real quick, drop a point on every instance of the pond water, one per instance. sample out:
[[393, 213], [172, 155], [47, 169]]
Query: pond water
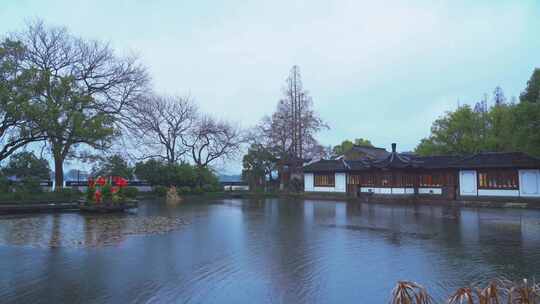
[[261, 251]]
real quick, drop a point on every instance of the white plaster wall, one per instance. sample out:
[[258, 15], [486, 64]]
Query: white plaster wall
[[498, 192], [308, 182], [325, 189], [369, 189], [398, 190], [385, 190], [232, 188], [467, 183], [429, 191], [409, 190], [529, 183], [339, 186]]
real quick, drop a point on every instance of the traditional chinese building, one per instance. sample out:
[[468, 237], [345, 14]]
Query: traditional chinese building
[[487, 174]]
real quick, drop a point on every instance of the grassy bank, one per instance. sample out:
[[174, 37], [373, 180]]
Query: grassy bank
[[65, 196]]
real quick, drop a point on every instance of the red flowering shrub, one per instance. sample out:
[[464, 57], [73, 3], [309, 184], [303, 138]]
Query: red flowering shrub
[[101, 181], [97, 197], [99, 190]]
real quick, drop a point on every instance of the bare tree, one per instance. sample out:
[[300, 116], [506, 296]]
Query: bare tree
[[113, 82], [157, 125], [83, 88], [211, 139]]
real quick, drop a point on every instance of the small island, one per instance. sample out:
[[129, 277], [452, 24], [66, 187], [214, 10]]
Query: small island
[[105, 195]]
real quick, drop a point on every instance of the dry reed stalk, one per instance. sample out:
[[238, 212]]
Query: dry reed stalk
[[410, 293]]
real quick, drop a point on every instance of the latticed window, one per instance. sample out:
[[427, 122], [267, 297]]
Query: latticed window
[[386, 180], [407, 180], [355, 179], [431, 180], [324, 180], [368, 180], [498, 179]]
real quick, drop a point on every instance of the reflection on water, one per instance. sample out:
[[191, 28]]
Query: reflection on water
[[68, 230], [263, 251]]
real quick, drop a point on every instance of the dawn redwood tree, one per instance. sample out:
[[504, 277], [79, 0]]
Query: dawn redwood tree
[[296, 111], [16, 88], [83, 88], [290, 131]]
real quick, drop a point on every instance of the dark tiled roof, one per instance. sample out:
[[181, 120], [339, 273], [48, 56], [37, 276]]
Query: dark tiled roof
[[355, 165], [371, 151], [497, 160], [402, 161], [436, 162], [337, 165], [396, 161]]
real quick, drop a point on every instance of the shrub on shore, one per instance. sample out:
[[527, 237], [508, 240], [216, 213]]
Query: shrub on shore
[[19, 197], [159, 173], [160, 191], [130, 192], [184, 190]]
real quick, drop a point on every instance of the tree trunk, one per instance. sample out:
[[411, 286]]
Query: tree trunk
[[58, 172]]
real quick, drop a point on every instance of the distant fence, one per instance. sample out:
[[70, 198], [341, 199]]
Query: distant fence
[[234, 186], [142, 186], [45, 185]]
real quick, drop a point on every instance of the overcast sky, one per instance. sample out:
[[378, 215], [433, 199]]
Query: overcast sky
[[382, 70]]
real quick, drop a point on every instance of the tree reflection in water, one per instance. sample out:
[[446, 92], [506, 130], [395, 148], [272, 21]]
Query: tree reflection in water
[[74, 230]]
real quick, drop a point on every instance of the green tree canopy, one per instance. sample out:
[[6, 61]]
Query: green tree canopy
[[457, 132], [347, 145], [160, 173], [24, 165], [81, 89], [17, 86], [258, 164], [114, 165], [503, 127], [532, 91], [524, 134]]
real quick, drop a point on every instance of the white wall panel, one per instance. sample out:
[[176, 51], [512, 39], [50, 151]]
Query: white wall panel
[[467, 183], [529, 183], [398, 190], [430, 191], [498, 192], [308, 181], [409, 190]]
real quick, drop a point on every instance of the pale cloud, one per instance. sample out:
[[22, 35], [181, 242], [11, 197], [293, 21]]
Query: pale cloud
[[382, 70]]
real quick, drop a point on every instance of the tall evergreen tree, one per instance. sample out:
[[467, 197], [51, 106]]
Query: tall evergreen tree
[[532, 91]]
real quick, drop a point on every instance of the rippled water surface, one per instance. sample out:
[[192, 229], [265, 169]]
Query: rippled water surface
[[260, 251]]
